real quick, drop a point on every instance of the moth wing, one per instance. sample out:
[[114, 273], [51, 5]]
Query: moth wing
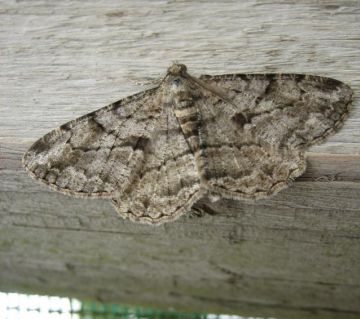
[[98, 153], [253, 140], [287, 109], [168, 182]]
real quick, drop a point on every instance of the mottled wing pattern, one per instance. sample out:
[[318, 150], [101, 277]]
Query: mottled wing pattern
[[132, 151], [253, 142], [157, 152], [168, 183], [97, 154]]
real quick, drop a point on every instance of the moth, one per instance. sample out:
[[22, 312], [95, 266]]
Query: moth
[[156, 153]]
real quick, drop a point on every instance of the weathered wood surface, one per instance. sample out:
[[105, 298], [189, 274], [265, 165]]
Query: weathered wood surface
[[294, 255]]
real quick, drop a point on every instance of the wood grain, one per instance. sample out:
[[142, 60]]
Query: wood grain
[[295, 255]]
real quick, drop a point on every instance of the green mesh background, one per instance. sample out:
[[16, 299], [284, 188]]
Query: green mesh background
[[91, 310]]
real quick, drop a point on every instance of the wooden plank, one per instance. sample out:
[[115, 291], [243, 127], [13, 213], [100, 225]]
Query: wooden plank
[[293, 255]]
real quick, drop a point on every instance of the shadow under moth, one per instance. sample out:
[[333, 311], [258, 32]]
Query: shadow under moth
[[156, 153]]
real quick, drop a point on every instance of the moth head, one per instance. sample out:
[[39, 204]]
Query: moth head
[[179, 85], [177, 69], [177, 77]]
